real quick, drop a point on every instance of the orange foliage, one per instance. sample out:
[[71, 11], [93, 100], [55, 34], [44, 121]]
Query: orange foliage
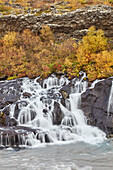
[[32, 55]]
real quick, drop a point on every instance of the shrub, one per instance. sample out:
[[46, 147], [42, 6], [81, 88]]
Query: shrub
[[26, 54], [4, 8], [93, 42], [110, 1]]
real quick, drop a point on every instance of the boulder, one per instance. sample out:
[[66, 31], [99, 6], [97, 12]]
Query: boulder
[[18, 106], [57, 114], [94, 103], [26, 95], [10, 92]]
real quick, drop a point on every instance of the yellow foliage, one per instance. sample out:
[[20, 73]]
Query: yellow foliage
[[9, 39], [32, 55], [93, 42], [68, 62], [101, 65], [46, 33]]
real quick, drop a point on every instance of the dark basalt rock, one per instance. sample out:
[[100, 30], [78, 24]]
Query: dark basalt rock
[[9, 92], [26, 94], [13, 122], [66, 90], [57, 114], [15, 136], [18, 106], [94, 103], [6, 110]]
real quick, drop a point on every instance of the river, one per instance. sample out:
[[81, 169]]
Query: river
[[73, 156]]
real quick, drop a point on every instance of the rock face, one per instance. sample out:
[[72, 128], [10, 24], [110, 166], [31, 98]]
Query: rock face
[[71, 24], [94, 103], [9, 92], [57, 114]]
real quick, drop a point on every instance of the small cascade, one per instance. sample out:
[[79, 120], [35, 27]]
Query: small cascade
[[54, 81], [42, 118], [110, 102]]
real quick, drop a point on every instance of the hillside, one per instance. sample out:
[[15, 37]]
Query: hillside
[[39, 38]]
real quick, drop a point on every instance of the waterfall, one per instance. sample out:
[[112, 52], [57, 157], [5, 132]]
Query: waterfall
[[110, 102], [49, 126]]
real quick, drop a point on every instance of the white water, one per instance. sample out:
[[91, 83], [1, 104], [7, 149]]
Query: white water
[[74, 156], [110, 102], [73, 127]]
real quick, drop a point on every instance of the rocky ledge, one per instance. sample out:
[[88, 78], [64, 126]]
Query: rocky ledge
[[69, 24]]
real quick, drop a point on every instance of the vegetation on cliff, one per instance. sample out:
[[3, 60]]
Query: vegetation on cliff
[[26, 54], [29, 6]]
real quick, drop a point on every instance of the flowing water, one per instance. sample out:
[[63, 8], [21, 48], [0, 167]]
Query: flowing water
[[73, 145], [73, 156], [110, 102]]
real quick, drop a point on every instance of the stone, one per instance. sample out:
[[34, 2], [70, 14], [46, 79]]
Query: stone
[[6, 110], [9, 92], [94, 103], [69, 24], [26, 94], [13, 122], [18, 106], [57, 114], [110, 136]]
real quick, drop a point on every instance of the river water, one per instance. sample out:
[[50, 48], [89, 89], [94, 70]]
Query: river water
[[73, 144], [73, 156]]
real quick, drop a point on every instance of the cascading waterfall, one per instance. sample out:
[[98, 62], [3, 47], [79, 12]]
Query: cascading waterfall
[[37, 111], [110, 102]]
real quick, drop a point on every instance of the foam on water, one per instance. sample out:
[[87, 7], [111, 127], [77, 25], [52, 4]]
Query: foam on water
[[70, 167]]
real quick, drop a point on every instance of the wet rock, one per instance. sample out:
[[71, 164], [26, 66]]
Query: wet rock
[[7, 120], [94, 103], [66, 90], [110, 136], [18, 106], [26, 94], [6, 110], [10, 121], [57, 114], [64, 94], [44, 137], [45, 111], [13, 122], [10, 92], [33, 114], [15, 136]]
